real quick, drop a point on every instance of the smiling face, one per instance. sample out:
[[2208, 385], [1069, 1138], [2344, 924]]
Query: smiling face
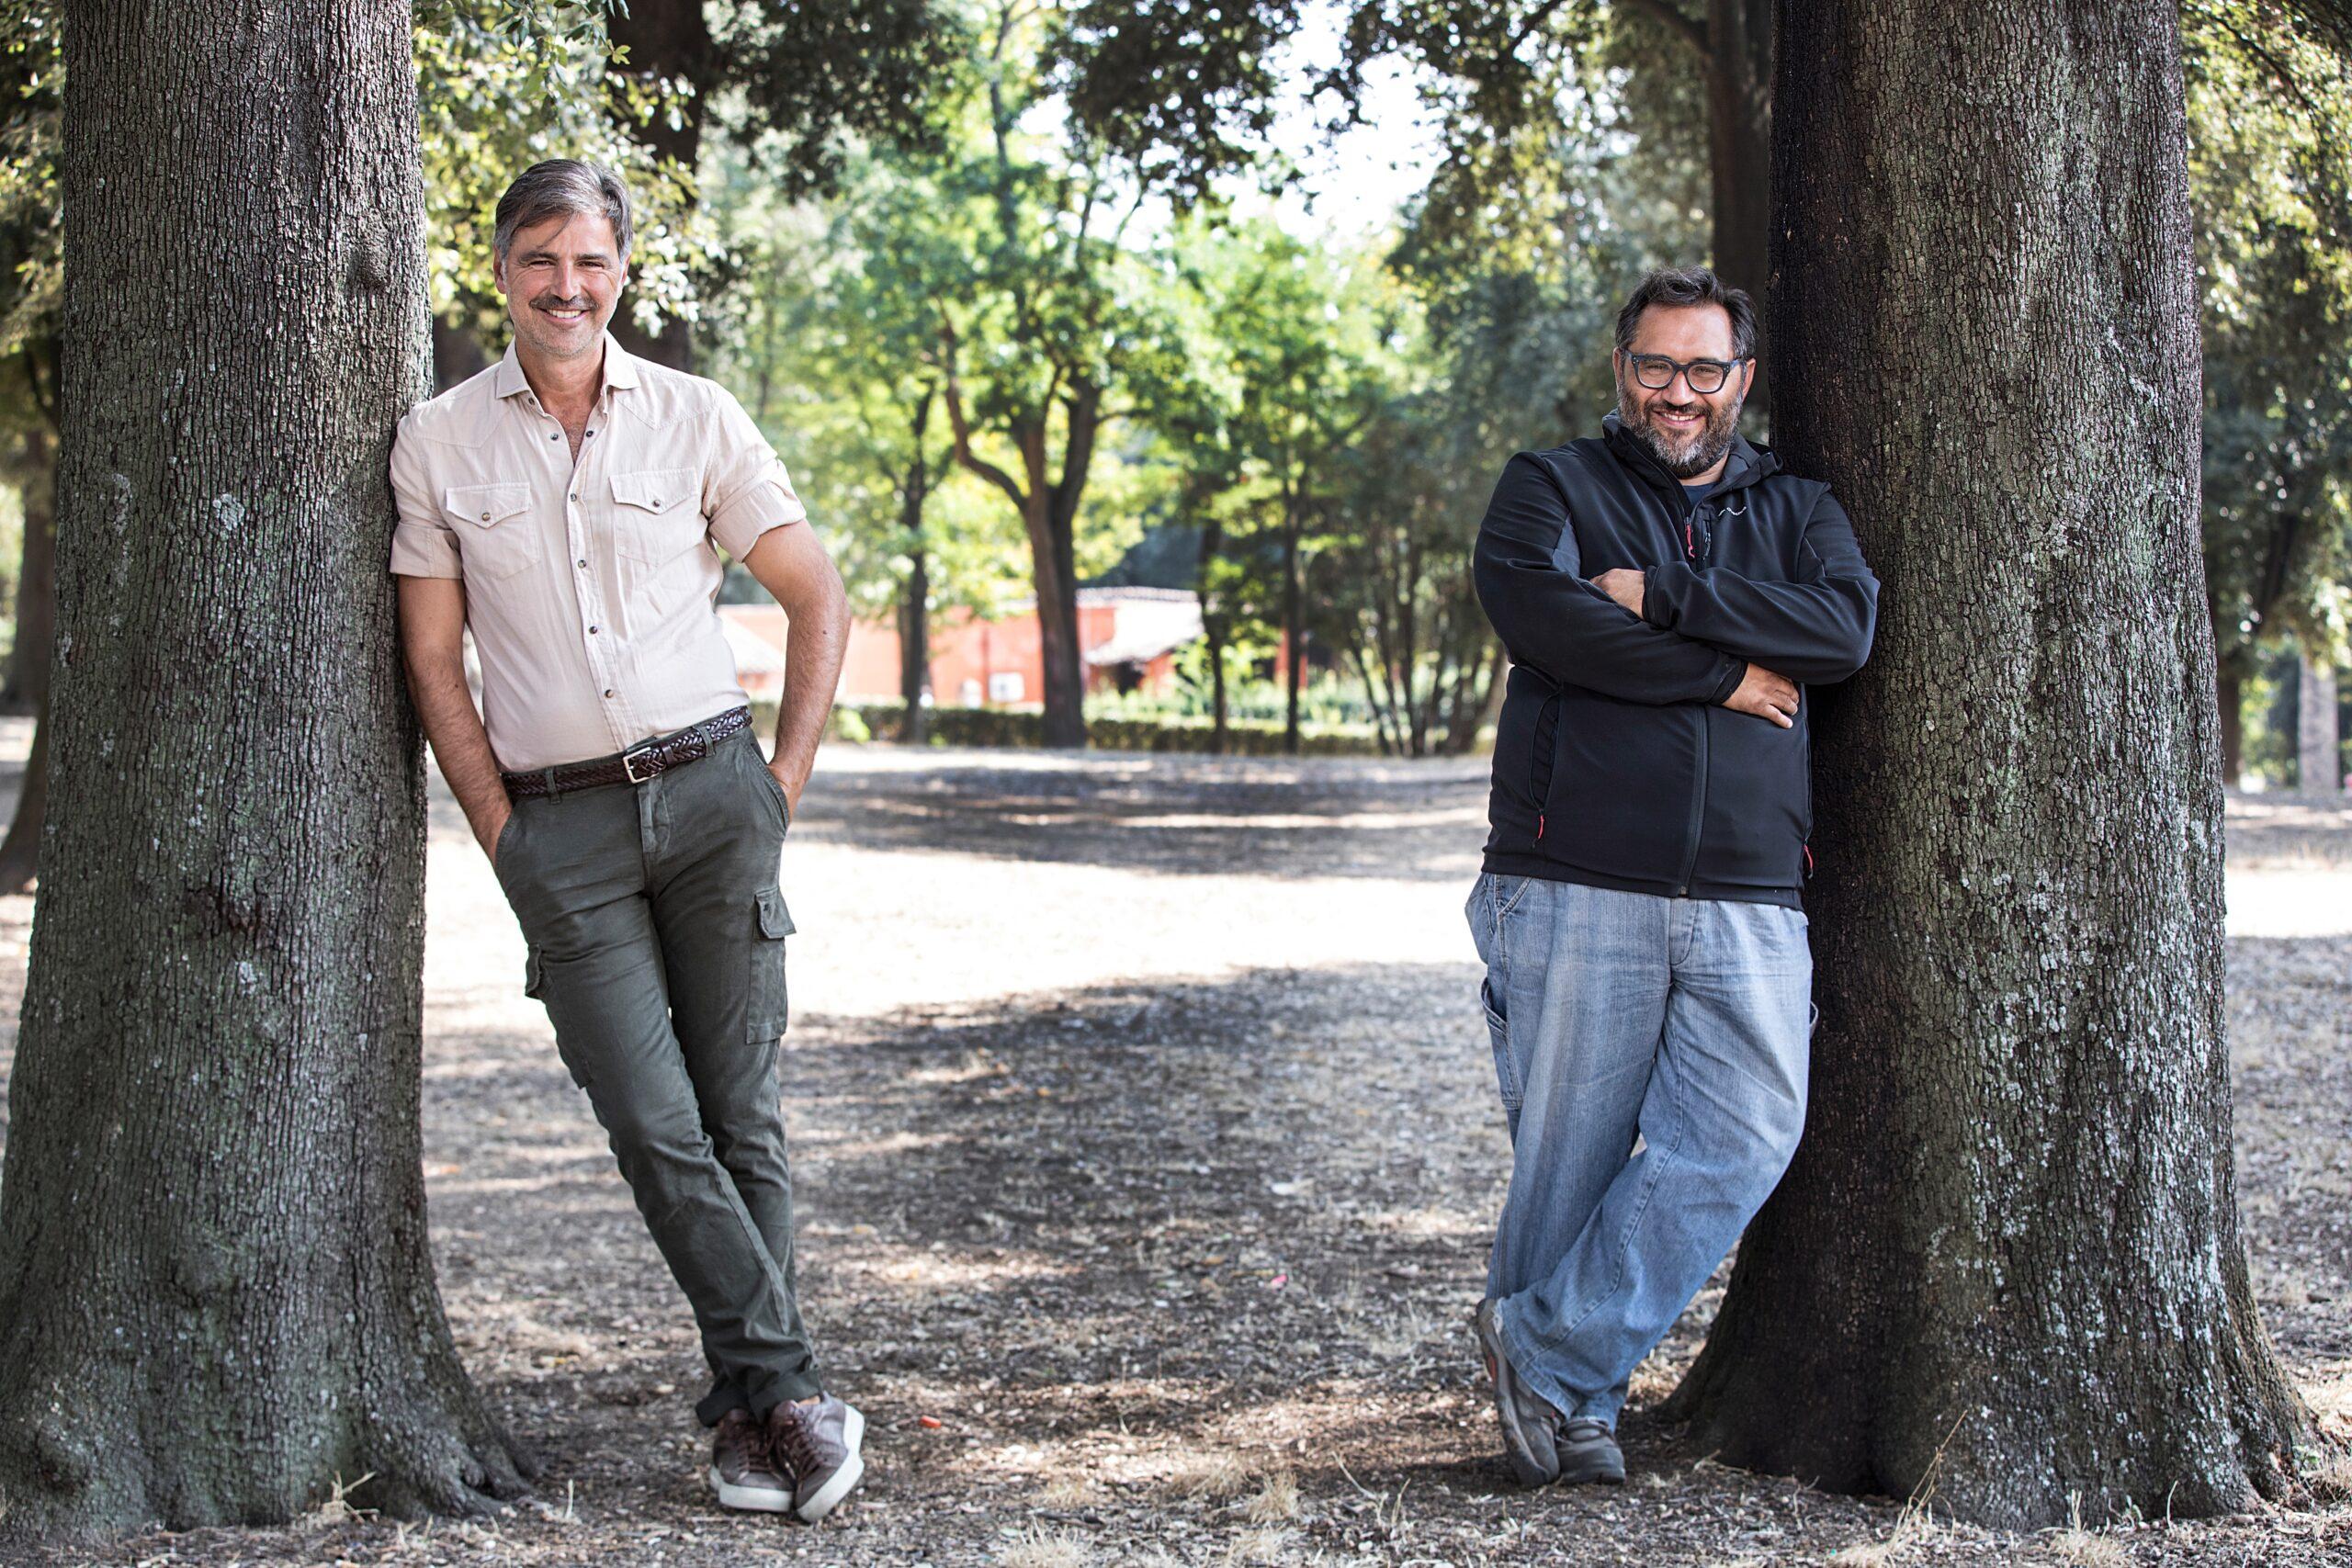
[[1689, 432], [562, 279]]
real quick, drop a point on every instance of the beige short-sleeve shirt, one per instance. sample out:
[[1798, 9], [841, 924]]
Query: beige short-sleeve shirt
[[590, 586]]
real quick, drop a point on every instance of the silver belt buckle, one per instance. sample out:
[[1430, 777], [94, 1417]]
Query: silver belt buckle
[[628, 762]]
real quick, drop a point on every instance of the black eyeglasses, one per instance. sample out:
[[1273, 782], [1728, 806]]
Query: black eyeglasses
[[1705, 377]]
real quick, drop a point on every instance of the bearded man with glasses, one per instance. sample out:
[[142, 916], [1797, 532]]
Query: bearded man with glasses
[[1666, 593]]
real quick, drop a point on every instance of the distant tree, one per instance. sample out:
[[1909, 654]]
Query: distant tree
[[216, 1296], [796, 83], [2270, 177], [2005, 1270]]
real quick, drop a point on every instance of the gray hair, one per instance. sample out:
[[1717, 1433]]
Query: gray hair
[[559, 188], [1690, 285]]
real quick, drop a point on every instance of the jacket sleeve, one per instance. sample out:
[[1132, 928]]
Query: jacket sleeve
[[1816, 630], [1532, 586]]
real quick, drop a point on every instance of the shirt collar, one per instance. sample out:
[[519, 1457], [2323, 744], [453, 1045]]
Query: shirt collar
[[620, 369]]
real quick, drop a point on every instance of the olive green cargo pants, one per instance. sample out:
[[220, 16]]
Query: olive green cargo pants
[[656, 940]]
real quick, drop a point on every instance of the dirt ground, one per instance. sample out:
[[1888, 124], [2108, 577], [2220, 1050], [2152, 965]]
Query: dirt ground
[[1145, 1146]]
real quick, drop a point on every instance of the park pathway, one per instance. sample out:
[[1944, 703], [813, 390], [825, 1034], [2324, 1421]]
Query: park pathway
[[1144, 1146]]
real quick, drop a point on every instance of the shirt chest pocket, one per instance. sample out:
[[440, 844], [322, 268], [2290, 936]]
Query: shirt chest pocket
[[496, 534], [656, 514]]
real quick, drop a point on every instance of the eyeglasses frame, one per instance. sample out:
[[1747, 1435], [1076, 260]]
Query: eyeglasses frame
[[1682, 367]]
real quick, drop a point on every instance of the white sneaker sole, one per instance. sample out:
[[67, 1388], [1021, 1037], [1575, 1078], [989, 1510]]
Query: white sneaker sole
[[851, 1471], [755, 1499]]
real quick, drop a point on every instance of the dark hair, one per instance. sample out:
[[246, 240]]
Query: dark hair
[[557, 188], [1690, 285]]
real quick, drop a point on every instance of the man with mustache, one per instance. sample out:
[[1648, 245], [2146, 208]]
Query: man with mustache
[[1666, 593], [564, 504]]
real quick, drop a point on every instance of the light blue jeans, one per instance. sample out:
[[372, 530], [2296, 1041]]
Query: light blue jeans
[[1682, 1020]]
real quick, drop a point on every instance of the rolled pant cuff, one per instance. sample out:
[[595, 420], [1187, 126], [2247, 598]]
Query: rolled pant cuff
[[726, 1396]]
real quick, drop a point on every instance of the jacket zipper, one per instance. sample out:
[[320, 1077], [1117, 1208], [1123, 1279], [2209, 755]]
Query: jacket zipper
[[1706, 728]]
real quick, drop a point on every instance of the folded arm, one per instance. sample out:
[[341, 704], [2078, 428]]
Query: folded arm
[[1530, 582], [1817, 629]]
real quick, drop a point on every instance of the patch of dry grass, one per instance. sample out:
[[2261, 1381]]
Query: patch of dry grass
[[1212, 1477], [1049, 1549], [1276, 1501]]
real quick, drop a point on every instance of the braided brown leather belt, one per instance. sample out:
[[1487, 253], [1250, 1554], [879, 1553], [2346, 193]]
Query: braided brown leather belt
[[635, 765]]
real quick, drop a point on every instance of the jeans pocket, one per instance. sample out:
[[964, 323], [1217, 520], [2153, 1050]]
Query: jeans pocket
[[765, 1005], [1507, 1080]]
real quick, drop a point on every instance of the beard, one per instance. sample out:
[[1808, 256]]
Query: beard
[[1684, 457]]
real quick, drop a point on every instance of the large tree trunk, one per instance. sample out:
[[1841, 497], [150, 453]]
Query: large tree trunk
[[667, 40], [2319, 756], [1054, 569], [215, 1292], [2006, 1260]]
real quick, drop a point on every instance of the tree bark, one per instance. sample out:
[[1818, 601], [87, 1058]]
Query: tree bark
[[2005, 1267], [216, 1296], [2319, 765], [2230, 688]]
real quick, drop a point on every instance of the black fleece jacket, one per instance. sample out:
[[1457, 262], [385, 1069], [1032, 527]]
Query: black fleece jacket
[[1615, 765]]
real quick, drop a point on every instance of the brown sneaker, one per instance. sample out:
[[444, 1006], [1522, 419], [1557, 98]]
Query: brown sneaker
[[743, 1472], [818, 1445]]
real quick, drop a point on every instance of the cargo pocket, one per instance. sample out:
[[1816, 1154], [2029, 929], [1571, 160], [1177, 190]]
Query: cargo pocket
[[535, 986], [764, 1011]]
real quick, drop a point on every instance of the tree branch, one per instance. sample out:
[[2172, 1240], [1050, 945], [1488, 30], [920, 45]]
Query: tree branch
[[962, 428]]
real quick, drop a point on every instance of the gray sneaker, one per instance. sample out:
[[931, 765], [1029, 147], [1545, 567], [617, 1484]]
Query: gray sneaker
[[1528, 1420], [743, 1472], [819, 1444], [1589, 1451]]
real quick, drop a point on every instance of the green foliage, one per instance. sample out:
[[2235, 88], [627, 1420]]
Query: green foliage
[[1182, 91], [503, 83], [32, 83], [2270, 175]]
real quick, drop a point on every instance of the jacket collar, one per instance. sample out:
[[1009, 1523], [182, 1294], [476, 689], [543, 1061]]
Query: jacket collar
[[620, 369], [1747, 463]]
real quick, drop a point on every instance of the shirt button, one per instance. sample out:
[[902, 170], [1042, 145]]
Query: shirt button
[[575, 499], [592, 631], [657, 503], [608, 690], [584, 564], [553, 433], [591, 432], [485, 517]]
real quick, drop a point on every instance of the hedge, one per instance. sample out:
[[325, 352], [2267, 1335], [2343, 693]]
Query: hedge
[[1014, 727]]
